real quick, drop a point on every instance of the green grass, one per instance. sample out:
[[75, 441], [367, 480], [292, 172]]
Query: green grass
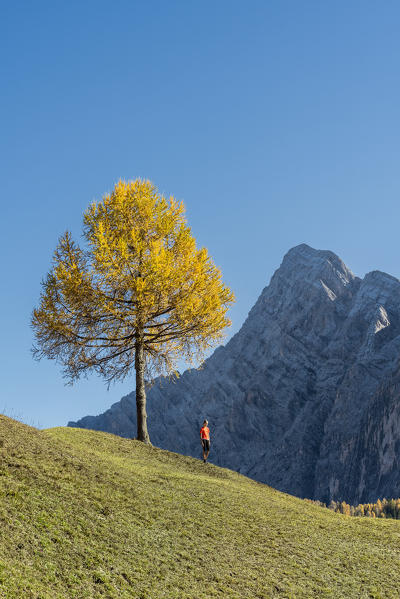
[[86, 514]]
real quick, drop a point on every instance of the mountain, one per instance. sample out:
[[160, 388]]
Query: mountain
[[304, 397], [88, 515]]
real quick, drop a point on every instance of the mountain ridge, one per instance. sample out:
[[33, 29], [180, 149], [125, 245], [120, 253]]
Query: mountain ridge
[[289, 395]]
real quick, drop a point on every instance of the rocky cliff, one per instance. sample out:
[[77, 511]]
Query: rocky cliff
[[304, 397]]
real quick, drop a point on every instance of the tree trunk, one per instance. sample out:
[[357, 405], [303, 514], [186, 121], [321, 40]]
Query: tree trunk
[[142, 433]]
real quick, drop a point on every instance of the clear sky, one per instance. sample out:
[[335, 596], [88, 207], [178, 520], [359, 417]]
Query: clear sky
[[276, 122]]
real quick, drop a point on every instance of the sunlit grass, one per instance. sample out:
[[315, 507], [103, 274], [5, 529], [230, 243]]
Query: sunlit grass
[[86, 514]]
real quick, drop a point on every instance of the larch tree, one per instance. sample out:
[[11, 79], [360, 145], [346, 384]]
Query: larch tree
[[138, 294]]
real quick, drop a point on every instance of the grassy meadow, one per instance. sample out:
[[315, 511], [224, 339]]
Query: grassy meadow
[[86, 514]]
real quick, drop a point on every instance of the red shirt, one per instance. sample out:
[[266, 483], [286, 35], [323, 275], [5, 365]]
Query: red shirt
[[205, 432]]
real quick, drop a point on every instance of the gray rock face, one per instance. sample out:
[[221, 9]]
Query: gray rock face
[[304, 397]]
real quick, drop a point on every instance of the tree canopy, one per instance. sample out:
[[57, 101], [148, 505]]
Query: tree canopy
[[139, 293]]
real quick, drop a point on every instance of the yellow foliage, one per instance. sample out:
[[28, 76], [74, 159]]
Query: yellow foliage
[[141, 279]]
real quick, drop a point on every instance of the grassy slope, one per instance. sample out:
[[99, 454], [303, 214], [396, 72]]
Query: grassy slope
[[87, 514]]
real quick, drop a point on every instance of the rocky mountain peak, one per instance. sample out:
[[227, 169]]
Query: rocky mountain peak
[[304, 263], [294, 398]]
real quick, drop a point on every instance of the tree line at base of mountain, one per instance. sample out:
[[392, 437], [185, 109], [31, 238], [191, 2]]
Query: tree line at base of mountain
[[387, 508]]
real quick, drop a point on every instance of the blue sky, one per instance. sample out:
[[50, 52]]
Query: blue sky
[[275, 122]]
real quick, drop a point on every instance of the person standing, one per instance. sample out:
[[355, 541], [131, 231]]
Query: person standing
[[205, 440]]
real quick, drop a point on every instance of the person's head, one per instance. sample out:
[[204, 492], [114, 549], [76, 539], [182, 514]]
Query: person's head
[[205, 422]]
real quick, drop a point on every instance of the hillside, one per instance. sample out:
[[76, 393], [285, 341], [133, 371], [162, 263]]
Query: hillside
[[87, 514], [304, 397]]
